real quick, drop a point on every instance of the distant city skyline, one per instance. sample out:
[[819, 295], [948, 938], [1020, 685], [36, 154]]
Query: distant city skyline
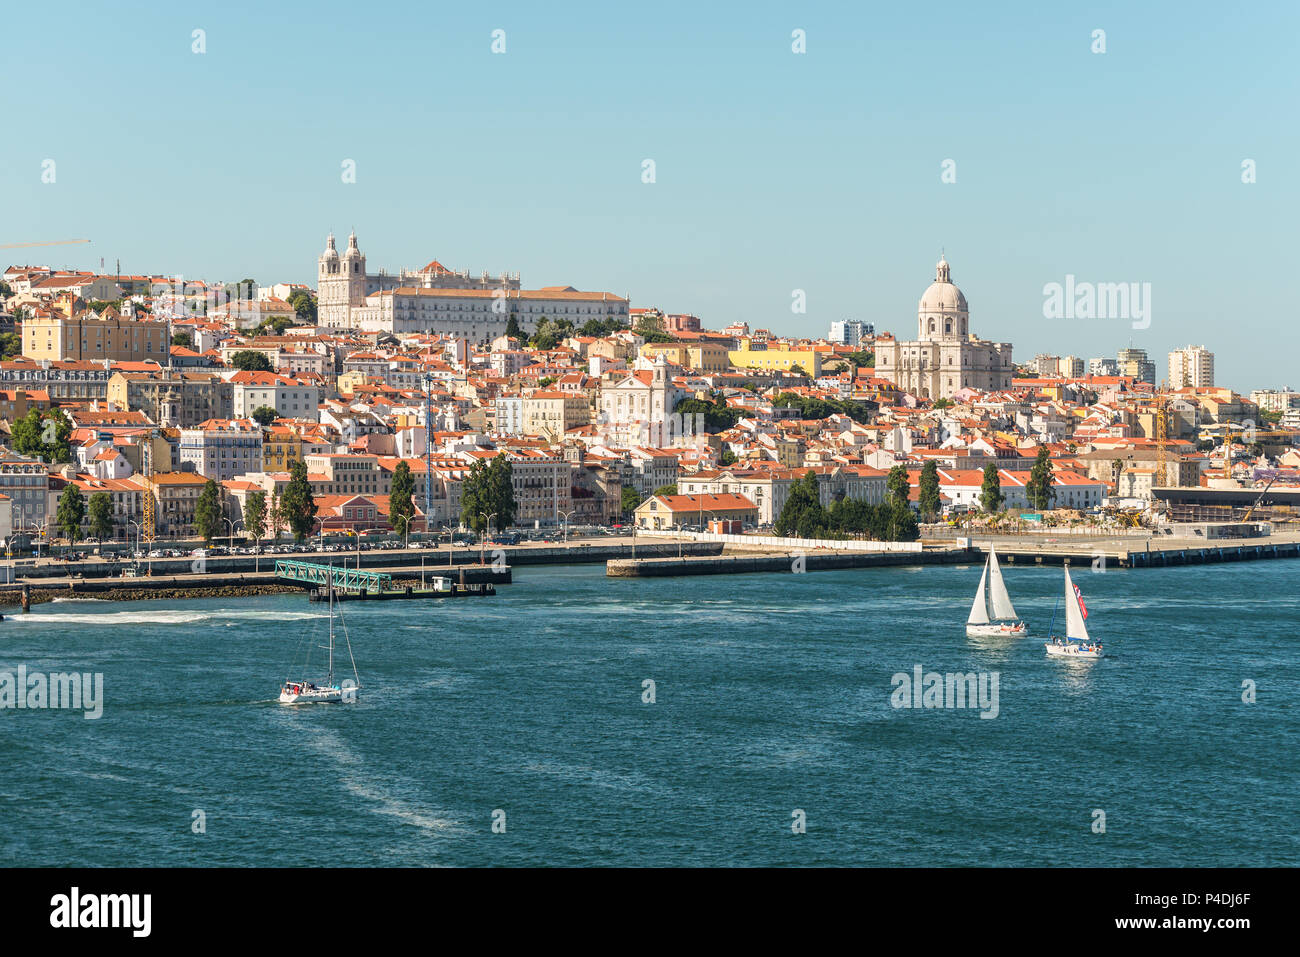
[[774, 171]]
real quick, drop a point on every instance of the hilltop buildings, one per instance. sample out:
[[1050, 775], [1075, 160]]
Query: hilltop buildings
[[435, 299], [945, 358]]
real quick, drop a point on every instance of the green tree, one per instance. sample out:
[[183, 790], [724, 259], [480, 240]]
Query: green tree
[[991, 497], [401, 503], [70, 512], [928, 491], [728, 457], [861, 359], [298, 505], [476, 498], [513, 329], [207, 512], [11, 345], [502, 489], [100, 510], [275, 514], [255, 515], [802, 512], [250, 360], [1039, 489], [630, 499], [898, 486], [718, 416], [264, 415], [182, 339], [599, 328], [43, 433], [304, 306], [273, 326], [666, 489]]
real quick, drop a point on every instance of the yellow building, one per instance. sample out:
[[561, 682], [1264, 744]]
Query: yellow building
[[176, 494], [693, 356], [553, 412], [347, 382], [281, 446], [90, 336], [775, 360]]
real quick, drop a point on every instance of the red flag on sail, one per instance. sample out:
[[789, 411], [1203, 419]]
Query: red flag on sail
[[1082, 607]]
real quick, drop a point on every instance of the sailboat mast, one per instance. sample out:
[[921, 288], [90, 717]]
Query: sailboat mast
[[331, 612]]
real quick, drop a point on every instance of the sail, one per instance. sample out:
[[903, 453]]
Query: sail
[[998, 597], [1074, 626], [979, 611]]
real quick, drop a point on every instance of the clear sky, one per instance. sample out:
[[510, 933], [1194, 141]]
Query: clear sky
[[774, 171]]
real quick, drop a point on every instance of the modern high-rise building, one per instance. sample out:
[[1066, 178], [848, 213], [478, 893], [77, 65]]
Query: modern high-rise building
[[1070, 366], [850, 332], [1134, 362], [1191, 367], [1103, 366], [1045, 364]]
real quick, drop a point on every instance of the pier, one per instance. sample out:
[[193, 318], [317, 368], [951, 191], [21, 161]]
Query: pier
[[356, 584], [1012, 552]]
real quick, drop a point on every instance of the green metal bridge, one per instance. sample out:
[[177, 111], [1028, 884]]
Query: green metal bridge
[[344, 579]]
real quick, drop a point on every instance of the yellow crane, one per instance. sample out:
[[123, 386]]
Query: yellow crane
[[148, 522], [1253, 434]]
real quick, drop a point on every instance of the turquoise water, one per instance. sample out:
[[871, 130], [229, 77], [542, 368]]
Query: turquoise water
[[773, 693]]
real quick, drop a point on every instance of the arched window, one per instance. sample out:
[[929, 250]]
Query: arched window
[[947, 327]]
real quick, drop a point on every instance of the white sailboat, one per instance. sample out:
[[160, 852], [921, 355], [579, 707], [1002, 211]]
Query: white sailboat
[[1076, 643], [328, 691], [992, 614]]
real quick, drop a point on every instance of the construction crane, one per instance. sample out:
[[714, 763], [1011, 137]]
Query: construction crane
[[54, 242], [1253, 433], [1251, 511], [149, 519]]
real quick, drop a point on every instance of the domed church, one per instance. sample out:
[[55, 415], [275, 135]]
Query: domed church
[[946, 358]]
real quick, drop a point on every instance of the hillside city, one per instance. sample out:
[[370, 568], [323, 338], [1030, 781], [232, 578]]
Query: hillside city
[[140, 408]]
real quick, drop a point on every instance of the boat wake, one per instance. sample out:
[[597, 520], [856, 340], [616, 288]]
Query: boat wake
[[171, 617], [381, 800]]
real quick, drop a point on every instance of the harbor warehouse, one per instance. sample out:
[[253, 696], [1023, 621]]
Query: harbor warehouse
[[667, 511]]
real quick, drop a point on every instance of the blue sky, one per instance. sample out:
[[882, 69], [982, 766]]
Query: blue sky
[[774, 171]]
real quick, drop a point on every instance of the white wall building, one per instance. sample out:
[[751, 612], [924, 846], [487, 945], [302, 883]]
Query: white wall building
[[946, 357]]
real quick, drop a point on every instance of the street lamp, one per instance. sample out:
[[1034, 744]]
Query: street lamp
[[566, 516], [482, 541], [37, 528], [230, 542]]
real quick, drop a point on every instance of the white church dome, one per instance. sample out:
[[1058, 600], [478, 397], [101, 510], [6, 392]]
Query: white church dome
[[942, 296]]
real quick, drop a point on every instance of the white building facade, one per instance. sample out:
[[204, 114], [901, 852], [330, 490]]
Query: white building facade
[[946, 357]]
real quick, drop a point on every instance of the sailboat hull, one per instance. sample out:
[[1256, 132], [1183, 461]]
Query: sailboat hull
[[1072, 650], [332, 695], [1017, 629]]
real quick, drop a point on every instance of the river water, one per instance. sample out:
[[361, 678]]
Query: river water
[[773, 705]]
